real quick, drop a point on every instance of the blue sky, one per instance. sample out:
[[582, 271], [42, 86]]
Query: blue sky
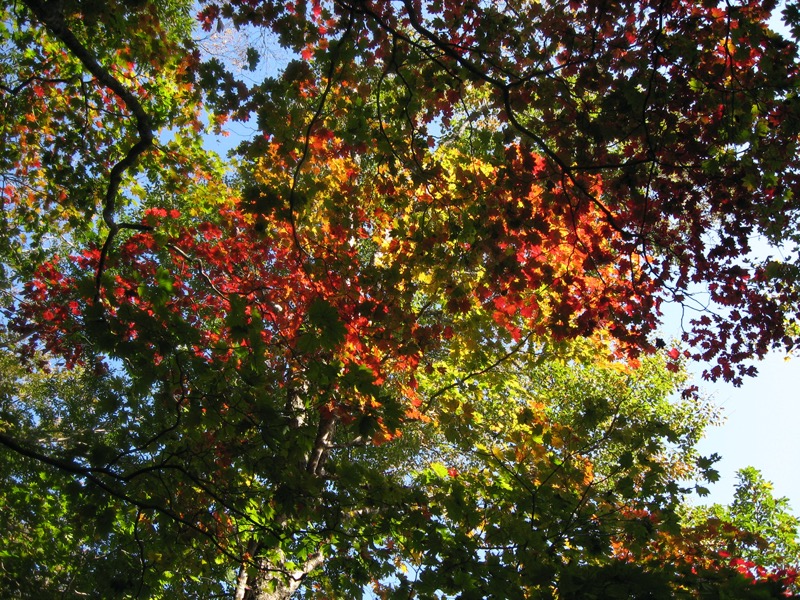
[[761, 429]]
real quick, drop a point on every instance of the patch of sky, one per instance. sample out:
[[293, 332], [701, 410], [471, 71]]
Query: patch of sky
[[251, 54], [759, 419]]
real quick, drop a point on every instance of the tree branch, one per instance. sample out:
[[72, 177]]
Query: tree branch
[[50, 13], [322, 443]]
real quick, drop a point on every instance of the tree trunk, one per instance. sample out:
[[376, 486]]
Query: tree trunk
[[260, 585], [270, 581]]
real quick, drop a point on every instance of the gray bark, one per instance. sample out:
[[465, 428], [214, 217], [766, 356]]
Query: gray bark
[[285, 583], [257, 576]]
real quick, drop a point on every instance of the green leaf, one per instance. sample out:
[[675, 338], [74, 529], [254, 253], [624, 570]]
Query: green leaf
[[439, 470], [324, 316]]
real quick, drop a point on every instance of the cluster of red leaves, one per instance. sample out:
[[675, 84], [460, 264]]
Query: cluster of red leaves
[[233, 291], [642, 111], [696, 556]]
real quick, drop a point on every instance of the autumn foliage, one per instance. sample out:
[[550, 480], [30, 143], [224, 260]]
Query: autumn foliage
[[406, 338]]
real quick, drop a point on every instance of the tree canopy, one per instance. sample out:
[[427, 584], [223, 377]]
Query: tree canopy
[[402, 340]]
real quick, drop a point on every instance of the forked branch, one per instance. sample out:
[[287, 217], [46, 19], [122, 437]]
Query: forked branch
[[50, 13]]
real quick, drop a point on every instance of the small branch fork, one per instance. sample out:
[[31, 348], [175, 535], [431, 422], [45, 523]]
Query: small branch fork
[[49, 12], [13, 91]]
